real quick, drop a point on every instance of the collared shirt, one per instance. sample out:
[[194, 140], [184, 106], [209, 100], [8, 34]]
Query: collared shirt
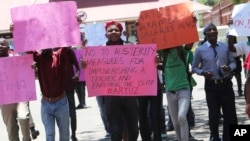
[[51, 72], [204, 59]]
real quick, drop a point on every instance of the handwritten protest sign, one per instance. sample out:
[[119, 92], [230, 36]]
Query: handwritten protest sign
[[43, 26], [241, 20], [168, 26], [17, 79], [128, 70], [78, 53]]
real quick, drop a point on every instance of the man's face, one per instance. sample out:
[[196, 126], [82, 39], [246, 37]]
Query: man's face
[[4, 48], [211, 34], [113, 33]]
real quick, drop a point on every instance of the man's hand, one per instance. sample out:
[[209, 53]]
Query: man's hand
[[75, 78], [34, 65], [158, 60], [225, 68], [83, 64], [207, 75]]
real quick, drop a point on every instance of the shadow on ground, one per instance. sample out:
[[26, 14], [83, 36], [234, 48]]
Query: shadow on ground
[[201, 129]]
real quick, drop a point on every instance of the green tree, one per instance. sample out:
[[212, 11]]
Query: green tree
[[208, 2], [236, 1]]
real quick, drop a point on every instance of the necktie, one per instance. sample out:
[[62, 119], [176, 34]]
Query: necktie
[[217, 60]]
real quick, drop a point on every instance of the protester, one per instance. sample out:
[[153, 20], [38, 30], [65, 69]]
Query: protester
[[51, 75], [81, 84], [190, 115], [151, 106], [33, 131], [214, 61], [237, 71], [120, 107], [177, 89], [12, 115], [51, 68], [121, 111], [72, 77], [240, 49], [17, 112]]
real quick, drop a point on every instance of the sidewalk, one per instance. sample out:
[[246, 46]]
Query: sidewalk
[[90, 127]]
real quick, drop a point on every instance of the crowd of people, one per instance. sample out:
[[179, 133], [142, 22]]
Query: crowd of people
[[125, 117]]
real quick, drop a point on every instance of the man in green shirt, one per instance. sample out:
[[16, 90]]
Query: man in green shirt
[[178, 88]]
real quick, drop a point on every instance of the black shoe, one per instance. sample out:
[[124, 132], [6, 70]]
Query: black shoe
[[107, 136], [73, 138], [170, 128], [79, 107], [191, 125], [212, 139], [34, 134], [240, 94], [164, 134]]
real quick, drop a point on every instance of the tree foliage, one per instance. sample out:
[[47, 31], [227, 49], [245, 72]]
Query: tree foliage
[[208, 2], [236, 1]]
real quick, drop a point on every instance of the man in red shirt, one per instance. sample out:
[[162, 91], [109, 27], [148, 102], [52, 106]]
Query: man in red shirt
[[51, 66]]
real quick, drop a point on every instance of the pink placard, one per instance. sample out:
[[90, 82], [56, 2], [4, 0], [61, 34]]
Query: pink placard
[[127, 70], [43, 26], [78, 53], [17, 79]]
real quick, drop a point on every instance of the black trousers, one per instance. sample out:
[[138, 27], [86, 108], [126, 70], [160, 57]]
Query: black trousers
[[72, 111], [220, 95], [80, 91], [237, 75], [150, 118], [122, 115]]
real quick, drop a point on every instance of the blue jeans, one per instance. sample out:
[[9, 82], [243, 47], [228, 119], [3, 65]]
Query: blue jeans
[[56, 111]]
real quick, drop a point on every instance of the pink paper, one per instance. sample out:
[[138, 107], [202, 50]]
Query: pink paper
[[43, 26], [78, 53], [127, 70], [17, 79]]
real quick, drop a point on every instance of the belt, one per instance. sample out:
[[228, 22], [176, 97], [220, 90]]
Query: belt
[[218, 81], [54, 99]]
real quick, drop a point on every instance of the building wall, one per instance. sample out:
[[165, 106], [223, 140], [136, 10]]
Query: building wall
[[220, 14], [5, 10]]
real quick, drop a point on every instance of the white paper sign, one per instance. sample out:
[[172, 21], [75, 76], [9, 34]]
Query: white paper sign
[[241, 20]]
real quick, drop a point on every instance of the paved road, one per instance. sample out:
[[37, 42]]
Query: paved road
[[90, 127]]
